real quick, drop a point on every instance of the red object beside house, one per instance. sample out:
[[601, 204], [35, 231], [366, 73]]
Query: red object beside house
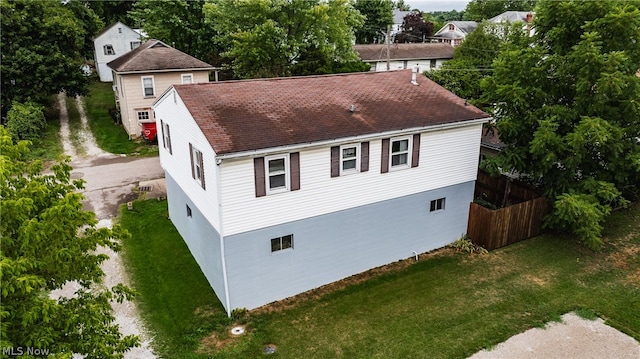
[[149, 131]]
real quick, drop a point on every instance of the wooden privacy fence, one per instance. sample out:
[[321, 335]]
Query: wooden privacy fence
[[503, 191], [493, 229]]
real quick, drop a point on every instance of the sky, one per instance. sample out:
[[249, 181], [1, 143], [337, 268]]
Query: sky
[[437, 5]]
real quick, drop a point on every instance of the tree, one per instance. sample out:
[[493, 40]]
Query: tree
[[180, 23], [90, 22], [402, 6], [48, 241], [274, 38], [414, 28], [41, 52], [111, 11], [473, 60], [568, 109], [379, 15], [478, 10]]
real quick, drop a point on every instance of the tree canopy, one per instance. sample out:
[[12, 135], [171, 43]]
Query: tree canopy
[[278, 38], [179, 23], [42, 52], [48, 240], [378, 15], [568, 109], [478, 10], [415, 28]]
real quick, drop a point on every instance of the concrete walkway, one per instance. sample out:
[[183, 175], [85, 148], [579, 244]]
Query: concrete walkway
[[574, 337]]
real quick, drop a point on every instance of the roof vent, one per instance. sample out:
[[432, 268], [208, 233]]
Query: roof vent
[[352, 108], [414, 75]]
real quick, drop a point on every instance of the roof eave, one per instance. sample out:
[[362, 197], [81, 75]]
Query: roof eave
[[166, 70], [287, 148]]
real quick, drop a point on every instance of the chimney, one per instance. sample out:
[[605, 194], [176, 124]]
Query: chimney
[[414, 75]]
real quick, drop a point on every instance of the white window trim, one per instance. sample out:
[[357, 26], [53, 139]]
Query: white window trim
[[113, 50], [166, 136], [153, 86], [409, 153], [197, 170], [357, 158], [287, 174], [148, 111], [182, 76], [444, 205], [132, 43]]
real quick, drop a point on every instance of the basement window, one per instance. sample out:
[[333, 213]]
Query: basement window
[[437, 205], [282, 243]]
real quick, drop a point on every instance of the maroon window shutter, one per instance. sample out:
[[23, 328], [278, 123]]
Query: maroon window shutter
[[335, 161], [258, 174], [294, 166], [193, 168], [169, 139], [162, 133], [202, 171], [364, 157], [415, 155], [384, 166]]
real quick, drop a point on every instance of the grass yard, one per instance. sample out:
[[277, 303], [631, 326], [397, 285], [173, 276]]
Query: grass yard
[[447, 305], [109, 136]]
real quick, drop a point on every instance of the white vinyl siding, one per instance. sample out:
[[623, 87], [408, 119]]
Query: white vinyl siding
[[446, 158], [185, 131]]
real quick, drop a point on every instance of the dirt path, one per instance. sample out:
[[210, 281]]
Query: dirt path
[[127, 316]]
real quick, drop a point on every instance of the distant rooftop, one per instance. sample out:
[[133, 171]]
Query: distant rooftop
[[418, 51]]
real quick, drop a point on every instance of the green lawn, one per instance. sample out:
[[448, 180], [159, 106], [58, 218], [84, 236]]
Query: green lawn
[[109, 136], [447, 305]]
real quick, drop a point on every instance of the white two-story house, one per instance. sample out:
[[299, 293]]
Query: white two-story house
[[282, 185], [112, 42]]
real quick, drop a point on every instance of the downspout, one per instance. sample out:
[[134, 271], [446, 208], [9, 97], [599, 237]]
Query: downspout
[[224, 261]]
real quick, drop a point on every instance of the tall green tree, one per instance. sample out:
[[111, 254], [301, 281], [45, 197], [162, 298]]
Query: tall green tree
[[90, 22], [41, 49], [111, 11], [473, 60], [47, 241], [478, 10], [379, 15], [568, 108], [179, 23], [275, 38]]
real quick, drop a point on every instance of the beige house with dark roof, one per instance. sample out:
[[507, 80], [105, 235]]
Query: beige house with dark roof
[[427, 56], [143, 74], [282, 185]]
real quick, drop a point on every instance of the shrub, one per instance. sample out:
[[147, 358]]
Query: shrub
[[463, 244], [26, 121]]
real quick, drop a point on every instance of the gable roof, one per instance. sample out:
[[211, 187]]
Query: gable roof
[[155, 55], [112, 26], [511, 16], [463, 26], [250, 115], [378, 52]]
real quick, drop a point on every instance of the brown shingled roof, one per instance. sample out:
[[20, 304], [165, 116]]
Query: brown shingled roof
[[376, 52], [155, 55], [238, 116]]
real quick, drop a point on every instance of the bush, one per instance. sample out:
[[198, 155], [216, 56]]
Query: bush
[[26, 121], [463, 244]]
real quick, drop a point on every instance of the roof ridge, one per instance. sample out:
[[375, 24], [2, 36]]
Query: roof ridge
[[371, 73]]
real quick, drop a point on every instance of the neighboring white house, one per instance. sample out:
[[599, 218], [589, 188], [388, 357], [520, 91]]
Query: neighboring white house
[[398, 20], [141, 75], [426, 56], [454, 32], [111, 43], [282, 185], [525, 17]]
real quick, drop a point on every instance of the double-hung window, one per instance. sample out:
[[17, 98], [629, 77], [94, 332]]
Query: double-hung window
[[166, 136], [349, 158], [187, 78], [108, 50], [277, 173], [276, 169], [147, 86], [135, 44], [400, 152], [197, 166]]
